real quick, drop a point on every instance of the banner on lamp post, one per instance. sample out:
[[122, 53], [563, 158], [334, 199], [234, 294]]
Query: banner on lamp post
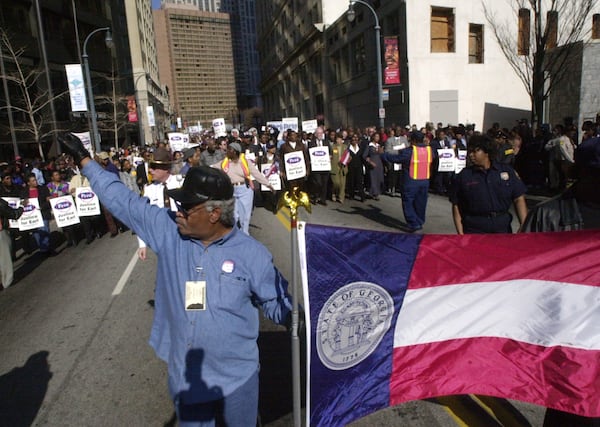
[[132, 115], [76, 87], [391, 73], [150, 114]]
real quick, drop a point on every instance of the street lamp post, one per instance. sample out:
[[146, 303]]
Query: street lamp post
[[95, 135], [351, 14], [139, 108]]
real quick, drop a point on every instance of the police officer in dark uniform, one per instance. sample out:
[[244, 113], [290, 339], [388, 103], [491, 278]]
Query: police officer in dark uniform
[[506, 152], [482, 193]]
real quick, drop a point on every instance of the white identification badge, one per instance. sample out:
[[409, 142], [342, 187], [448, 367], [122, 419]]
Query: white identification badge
[[195, 296]]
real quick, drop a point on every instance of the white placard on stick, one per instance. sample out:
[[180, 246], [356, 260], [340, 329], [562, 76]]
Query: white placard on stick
[[295, 168], [219, 127], [290, 123], [32, 216], [65, 211], [461, 161], [272, 173], [319, 159], [309, 126], [447, 161], [87, 202]]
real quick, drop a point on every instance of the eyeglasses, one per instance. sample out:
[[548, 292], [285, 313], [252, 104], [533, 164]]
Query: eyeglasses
[[187, 210]]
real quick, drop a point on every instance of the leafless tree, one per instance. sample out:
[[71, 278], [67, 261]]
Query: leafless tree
[[555, 26], [115, 121], [32, 116]]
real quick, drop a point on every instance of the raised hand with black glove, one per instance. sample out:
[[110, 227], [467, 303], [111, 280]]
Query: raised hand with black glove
[[73, 146]]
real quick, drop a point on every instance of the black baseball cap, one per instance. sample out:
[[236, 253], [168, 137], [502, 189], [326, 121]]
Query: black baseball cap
[[203, 183]]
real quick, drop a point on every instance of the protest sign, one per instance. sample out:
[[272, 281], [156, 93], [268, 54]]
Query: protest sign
[[65, 211], [32, 216], [461, 161], [319, 159], [447, 160], [309, 126], [87, 202], [295, 168], [271, 171]]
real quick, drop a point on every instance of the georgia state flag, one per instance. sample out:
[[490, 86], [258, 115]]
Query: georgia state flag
[[398, 317]]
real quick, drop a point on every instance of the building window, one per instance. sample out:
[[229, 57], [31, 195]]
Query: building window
[[442, 29], [596, 26], [551, 29], [359, 55], [524, 29], [475, 44], [336, 68]]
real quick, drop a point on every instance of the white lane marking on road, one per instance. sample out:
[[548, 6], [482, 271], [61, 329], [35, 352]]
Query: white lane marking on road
[[126, 274]]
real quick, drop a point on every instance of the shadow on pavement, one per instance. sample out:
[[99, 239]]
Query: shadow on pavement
[[477, 410], [275, 395], [22, 391], [376, 214]]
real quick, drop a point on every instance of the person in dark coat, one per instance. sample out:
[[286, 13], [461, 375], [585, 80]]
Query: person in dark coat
[[42, 194], [576, 208]]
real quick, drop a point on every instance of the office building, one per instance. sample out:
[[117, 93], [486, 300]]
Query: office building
[[144, 82], [195, 61], [245, 52], [205, 5], [317, 64]]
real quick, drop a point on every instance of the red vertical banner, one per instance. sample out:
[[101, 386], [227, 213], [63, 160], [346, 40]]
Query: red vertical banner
[[391, 73], [132, 114]]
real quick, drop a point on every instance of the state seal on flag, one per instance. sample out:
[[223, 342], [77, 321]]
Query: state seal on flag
[[352, 323]]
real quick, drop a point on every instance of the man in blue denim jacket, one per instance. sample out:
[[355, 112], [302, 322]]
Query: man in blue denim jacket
[[210, 279]]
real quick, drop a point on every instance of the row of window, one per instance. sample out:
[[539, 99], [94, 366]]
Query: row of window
[[443, 38]]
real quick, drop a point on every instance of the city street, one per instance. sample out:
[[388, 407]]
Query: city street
[[74, 331]]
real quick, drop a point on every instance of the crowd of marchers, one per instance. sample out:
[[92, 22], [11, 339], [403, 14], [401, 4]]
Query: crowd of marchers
[[364, 163]]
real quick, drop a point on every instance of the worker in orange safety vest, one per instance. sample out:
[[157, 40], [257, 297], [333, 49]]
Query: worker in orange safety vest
[[416, 161]]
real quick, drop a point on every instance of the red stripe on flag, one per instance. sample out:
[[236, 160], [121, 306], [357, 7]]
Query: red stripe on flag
[[569, 376], [560, 257]]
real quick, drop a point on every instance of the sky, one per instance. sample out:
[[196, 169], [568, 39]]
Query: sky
[[155, 4]]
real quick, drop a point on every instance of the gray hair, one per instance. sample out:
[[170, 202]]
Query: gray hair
[[227, 207]]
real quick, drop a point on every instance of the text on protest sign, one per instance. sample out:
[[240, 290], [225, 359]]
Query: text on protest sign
[[271, 171], [87, 202], [319, 159], [295, 168], [32, 216], [65, 211], [461, 161], [446, 160]]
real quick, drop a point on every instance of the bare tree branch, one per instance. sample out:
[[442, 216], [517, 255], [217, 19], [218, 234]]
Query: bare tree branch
[[542, 69], [33, 99]]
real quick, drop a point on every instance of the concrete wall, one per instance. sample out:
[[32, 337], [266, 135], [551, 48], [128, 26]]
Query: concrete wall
[[590, 86], [492, 83]]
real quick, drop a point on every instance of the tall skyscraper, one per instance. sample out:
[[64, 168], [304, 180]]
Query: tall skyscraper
[[195, 61], [245, 51], [205, 5], [144, 70]]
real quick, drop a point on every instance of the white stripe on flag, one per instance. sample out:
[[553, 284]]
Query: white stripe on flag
[[532, 311]]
